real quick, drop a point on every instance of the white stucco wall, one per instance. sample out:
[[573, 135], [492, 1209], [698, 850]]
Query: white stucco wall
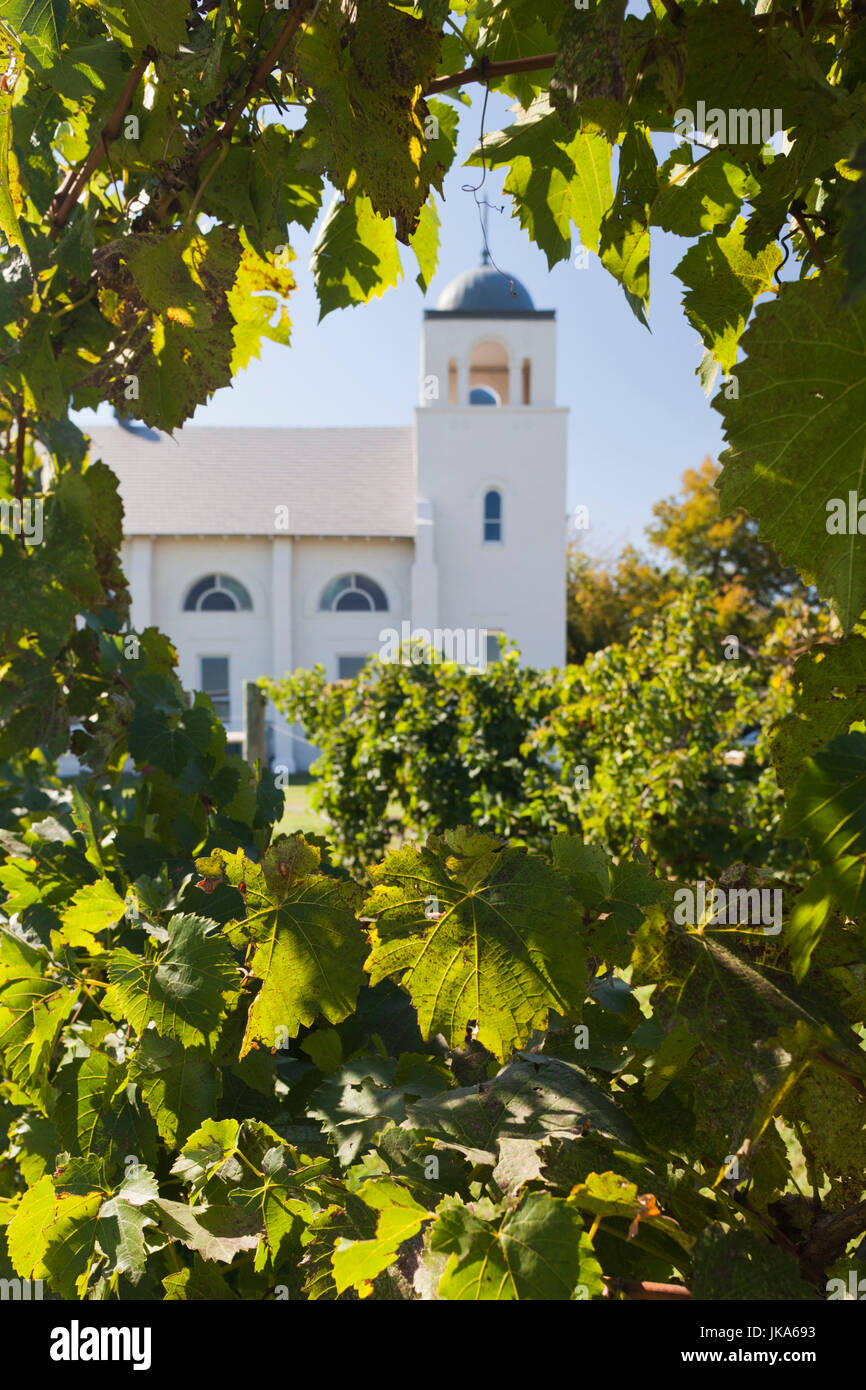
[[281, 633], [518, 585], [446, 338], [244, 637], [319, 637]]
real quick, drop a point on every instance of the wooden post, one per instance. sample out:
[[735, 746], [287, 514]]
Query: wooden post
[[255, 749]]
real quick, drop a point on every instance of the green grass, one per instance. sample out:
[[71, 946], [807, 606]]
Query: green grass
[[298, 815]]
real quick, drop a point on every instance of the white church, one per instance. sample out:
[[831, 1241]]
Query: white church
[[260, 551]]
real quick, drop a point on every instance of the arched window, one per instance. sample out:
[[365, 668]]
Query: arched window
[[483, 395], [493, 515], [354, 593], [217, 593], [488, 367]]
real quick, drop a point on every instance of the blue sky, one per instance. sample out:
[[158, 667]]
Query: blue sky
[[638, 415]]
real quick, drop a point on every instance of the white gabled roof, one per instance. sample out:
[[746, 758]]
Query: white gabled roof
[[205, 481]]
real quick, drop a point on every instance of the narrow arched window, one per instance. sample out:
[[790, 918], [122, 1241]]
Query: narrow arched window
[[493, 515], [217, 593], [354, 593], [489, 367]]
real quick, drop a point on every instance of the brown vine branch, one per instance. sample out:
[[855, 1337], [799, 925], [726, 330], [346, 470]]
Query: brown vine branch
[[20, 438], [160, 204], [68, 194], [263, 70], [486, 71], [778, 1237], [676, 13], [828, 1237], [829, 1061], [810, 240]]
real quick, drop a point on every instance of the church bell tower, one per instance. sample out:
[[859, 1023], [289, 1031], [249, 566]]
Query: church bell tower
[[491, 468]]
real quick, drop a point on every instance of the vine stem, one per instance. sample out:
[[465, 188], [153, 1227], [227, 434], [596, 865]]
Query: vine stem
[[70, 191], [485, 71], [264, 68], [193, 207], [810, 240], [20, 440], [157, 209], [675, 12]]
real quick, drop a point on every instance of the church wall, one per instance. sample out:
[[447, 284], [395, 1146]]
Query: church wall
[[447, 338], [323, 637], [516, 586], [244, 637]]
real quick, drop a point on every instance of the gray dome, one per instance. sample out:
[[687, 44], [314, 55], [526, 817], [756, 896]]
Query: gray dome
[[484, 290]]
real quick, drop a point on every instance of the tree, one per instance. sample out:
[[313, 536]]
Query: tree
[[176, 981], [607, 601], [750, 584]]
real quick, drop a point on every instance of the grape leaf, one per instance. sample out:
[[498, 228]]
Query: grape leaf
[[53, 1236], [216, 1232], [255, 300], [624, 245], [616, 894], [369, 91], [698, 195], [554, 181], [738, 1012], [355, 256], [355, 1103], [309, 946], [503, 951], [533, 1097], [39, 24], [179, 1085], [425, 244], [208, 1149], [830, 685], [97, 1114], [183, 991], [796, 433], [92, 908], [12, 198], [539, 1251], [399, 1218], [723, 278], [121, 1237], [810, 915], [197, 1283], [32, 1012], [141, 23], [828, 807], [740, 1265]]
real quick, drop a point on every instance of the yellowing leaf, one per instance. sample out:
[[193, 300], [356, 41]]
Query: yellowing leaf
[[93, 908]]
